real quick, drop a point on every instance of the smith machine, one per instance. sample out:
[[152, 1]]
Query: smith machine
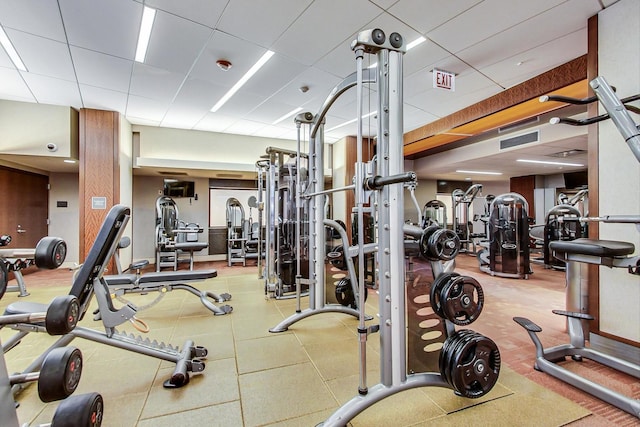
[[469, 362]]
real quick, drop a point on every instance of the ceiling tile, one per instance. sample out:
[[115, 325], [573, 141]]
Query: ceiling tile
[[308, 40], [175, 43], [215, 122], [484, 20], [103, 99], [105, 71], [40, 18], [155, 83], [203, 12], [260, 22], [12, 86], [48, 90], [139, 107], [319, 82], [245, 127], [432, 17], [109, 27], [43, 56], [555, 23]]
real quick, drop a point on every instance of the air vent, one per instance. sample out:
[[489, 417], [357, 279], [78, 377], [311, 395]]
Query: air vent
[[172, 173], [567, 153], [229, 175], [520, 140]]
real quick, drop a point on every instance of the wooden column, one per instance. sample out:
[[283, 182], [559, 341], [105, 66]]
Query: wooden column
[[524, 185], [99, 171]]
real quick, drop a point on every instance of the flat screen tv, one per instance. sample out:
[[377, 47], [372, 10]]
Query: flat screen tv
[[573, 180], [175, 188]]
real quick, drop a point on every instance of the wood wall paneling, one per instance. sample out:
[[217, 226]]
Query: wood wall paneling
[[524, 185], [99, 170]]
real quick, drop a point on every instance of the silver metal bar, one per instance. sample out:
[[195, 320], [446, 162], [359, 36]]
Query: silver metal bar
[[332, 190]]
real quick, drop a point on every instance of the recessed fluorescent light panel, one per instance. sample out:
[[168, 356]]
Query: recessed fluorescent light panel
[[11, 51], [479, 172], [351, 121], [263, 60], [416, 42], [148, 16], [544, 162], [286, 116]]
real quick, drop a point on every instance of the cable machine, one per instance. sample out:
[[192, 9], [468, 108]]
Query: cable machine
[[461, 203]]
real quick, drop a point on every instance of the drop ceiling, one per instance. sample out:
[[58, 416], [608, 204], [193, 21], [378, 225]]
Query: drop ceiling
[[79, 53]]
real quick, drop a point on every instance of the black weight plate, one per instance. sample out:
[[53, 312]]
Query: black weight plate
[[448, 349], [62, 315], [50, 252], [60, 374], [84, 410], [4, 273], [475, 367], [462, 300], [464, 337], [443, 245], [336, 258], [344, 293], [424, 240], [436, 288]]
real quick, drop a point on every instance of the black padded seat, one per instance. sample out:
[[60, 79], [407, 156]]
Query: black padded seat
[[191, 246], [601, 248], [160, 277]]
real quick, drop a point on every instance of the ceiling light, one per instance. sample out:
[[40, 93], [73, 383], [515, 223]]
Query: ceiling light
[[544, 162], [350, 121], [286, 116], [479, 172], [416, 42], [11, 51], [148, 16], [263, 60]]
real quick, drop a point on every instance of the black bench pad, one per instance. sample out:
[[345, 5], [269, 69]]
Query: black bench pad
[[25, 307], [601, 248], [161, 277]]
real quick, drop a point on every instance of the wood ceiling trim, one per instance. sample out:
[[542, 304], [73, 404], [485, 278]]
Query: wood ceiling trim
[[512, 105]]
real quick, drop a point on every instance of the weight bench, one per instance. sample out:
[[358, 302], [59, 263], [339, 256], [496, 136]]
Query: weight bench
[[601, 252], [163, 282], [90, 280]]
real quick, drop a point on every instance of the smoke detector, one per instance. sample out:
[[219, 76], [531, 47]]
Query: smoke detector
[[223, 64]]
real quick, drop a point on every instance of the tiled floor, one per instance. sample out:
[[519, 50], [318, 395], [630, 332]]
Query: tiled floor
[[301, 376]]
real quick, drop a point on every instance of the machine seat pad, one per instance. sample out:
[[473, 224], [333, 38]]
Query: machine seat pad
[[601, 248], [25, 307], [120, 279], [191, 246], [139, 265], [177, 276]]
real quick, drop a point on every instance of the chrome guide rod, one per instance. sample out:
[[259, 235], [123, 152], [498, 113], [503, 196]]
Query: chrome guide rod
[[297, 217]]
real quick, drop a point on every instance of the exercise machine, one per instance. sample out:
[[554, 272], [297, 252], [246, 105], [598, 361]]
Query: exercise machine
[[286, 234], [90, 280], [237, 232], [59, 375], [133, 281], [469, 363], [461, 204], [609, 253], [49, 253], [434, 212], [508, 253], [174, 237]]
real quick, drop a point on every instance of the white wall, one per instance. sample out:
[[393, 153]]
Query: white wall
[[619, 171], [126, 180]]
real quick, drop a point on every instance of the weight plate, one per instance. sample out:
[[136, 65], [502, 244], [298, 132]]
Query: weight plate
[[475, 367], [4, 273], [62, 315], [83, 410], [461, 300], [436, 288], [60, 374], [448, 350], [336, 258], [443, 245], [424, 240], [50, 252], [344, 293]]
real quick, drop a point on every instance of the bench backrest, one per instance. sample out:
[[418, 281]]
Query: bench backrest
[[103, 248]]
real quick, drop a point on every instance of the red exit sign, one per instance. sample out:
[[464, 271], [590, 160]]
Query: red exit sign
[[444, 80]]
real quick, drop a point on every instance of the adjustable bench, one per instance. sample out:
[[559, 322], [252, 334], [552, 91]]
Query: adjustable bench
[[89, 280], [164, 282]]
